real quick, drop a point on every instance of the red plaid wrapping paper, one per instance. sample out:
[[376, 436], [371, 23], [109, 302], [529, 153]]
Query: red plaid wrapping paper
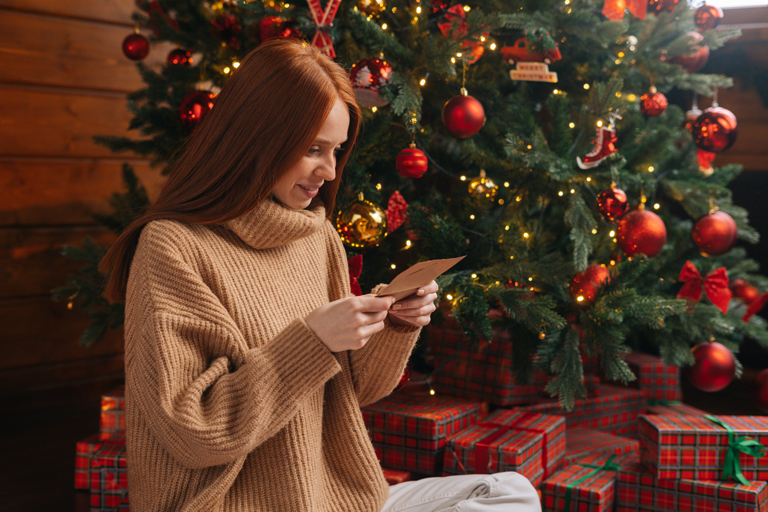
[[109, 474], [637, 491], [594, 494], [580, 442], [653, 374], [84, 451], [514, 450], [393, 476], [483, 373], [613, 409], [112, 412], [409, 431], [694, 448], [673, 408]]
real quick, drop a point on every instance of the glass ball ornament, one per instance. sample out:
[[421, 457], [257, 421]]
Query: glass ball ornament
[[715, 130], [228, 29], [194, 107], [656, 6], [368, 76], [698, 57], [612, 203], [463, 115], [707, 17], [714, 368], [371, 7], [135, 46], [412, 162], [482, 188], [361, 224], [744, 291], [653, 103], [585, 285], [179, 57], [714, 234], [641, 232]]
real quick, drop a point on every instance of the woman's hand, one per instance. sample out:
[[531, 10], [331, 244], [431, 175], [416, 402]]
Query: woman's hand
[[348, 324], [415, 311]]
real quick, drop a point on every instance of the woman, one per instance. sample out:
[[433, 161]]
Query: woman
[[247, 358]]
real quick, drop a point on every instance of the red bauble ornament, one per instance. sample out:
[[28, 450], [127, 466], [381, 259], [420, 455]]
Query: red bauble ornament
[[653, 103], [760, 391], [584, 286], [194, 107], [272, 27], [691, 116], [463, 115], [715, 130], [180, 57], [612, 203], [698, 57], [641, 231], [412, 162], [707, 17], [744, 291], [714, 234], [656, 6], [714, 368], [228, 29], [368, 77], [135, 46]]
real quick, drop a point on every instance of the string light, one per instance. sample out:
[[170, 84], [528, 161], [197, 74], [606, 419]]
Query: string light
[[472, 217], [525, 235], [651, 168], [600, 123], [506, 228], [449, 297], [235, 64], [453, 61], [573, 191], [618, 94], [423, 81], [226, 70], [612, 234], [530, 279], [418, 10], [594, 231], [393, 266], [589, 178], [506, 184], [586, 86], [560, 193], [493, 46], [378, 186], [394, 10], [656, 206], [384, 27], [518, 199], [467, 8], [463, 178], [579, 298], [621, 54], [631, 97], [571, 125], [407, 243], [474, 276], [511, 257], [373, 109]]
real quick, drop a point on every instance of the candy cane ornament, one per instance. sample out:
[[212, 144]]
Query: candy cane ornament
[[323, 18]]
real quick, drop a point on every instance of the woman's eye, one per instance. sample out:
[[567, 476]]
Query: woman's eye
[[314, 151]]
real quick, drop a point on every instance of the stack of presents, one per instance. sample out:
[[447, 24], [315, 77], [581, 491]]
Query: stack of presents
[[622, 449]]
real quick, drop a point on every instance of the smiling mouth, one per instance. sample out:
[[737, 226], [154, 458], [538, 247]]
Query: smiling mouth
[[310, 189]]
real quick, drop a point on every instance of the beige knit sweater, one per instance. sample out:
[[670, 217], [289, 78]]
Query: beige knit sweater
[[232, 402]]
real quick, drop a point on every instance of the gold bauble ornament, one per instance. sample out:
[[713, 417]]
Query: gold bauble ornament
[[483, 187], [362, 224]]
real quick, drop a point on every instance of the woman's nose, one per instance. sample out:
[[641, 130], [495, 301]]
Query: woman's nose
[[327, 170]]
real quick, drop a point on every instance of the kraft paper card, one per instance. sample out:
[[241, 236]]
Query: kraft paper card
[[421, 274]]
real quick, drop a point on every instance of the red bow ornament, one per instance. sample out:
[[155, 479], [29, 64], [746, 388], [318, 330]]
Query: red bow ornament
[[355, 269], [715, 285], [614, 9], [396, 208], [323, 18]]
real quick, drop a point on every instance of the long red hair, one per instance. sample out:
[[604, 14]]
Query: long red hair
[[264, 121]]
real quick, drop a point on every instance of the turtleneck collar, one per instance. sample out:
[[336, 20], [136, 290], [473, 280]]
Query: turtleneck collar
[[272, 224]]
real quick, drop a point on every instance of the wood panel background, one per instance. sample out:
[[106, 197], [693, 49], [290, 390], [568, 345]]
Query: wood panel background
[[63, 79]]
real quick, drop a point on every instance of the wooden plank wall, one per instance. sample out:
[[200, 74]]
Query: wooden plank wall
[[63, 79]]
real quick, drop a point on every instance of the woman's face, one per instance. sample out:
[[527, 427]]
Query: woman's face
[[296, 188]]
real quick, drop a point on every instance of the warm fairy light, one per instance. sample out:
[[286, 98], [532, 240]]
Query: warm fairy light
[[226, 70], [612, 234], [511, 257], [474, 276], [560, 193], [458, 54], [467, 8], [573, 191], [418, 10], [631, 97], [580, 298], [374, 109], [482, 38], [586, 86], [594, 231], [525, 235], [394, 10], [651, 168], [613, 262], [384, 26], [449, 297], [529, 147], [422, 81], [656, 206], [472, 217], [493, 46], [530, 279], [393, 266], [571, 125], [614, 241], [501, 201], [555, 91], [618, 94], [431, 391], [463, 178], [378, 186], [518, 199], [600, 123], [407, 243], [621, 54], [453, 61], [235, 64], [567, 2], [506, 184], [617, 61], [589, 178]]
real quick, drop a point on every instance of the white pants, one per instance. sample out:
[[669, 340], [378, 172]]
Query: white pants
[[508, 492]]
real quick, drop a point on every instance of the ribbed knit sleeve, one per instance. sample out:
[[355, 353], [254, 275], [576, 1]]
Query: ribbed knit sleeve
[[377, 367], [207, 397]]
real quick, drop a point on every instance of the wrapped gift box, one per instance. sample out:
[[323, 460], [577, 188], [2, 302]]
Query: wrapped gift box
[[674, 407], [113, 412], [694, 447], [613, 409], [84, 451], [394, 476], [662, 380], [109, 475], [493, 448], [587, 485], [409, 431], [483, 372], [637, 491], [580, 442]]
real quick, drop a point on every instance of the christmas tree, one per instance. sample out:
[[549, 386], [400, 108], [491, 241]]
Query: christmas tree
[[534, 137]]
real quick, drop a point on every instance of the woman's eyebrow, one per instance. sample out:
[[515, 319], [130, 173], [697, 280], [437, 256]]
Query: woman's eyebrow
[[326, 141]]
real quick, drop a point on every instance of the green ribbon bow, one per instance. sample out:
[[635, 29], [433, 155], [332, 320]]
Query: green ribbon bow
[[743, 444], [663, 403], [609, 465]]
